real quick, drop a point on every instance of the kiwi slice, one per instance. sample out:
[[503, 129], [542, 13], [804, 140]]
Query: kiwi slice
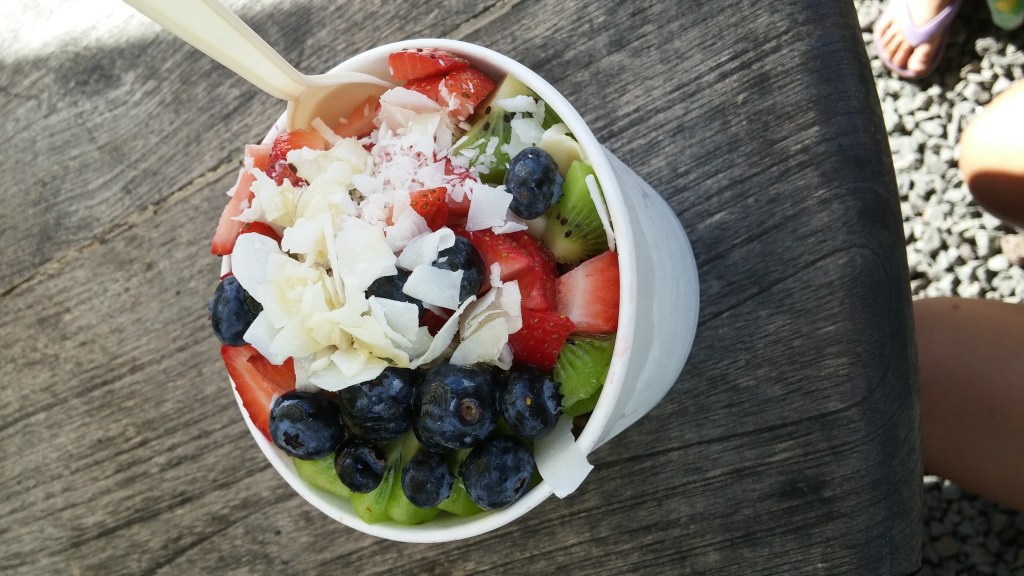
[[574, 231], [399, 508], [494, 123], [372, 506], [581, 369], [320, 474], [458, 502]]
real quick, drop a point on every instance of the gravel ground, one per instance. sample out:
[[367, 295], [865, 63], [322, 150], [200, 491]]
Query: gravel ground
[[953, 248]]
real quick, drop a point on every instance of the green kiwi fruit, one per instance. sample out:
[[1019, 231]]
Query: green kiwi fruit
[[581, 369], [574, 231]]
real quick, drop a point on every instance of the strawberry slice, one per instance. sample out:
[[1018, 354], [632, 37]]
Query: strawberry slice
[[260, 228], [432, 321], [260, 154], [359, 123], [538, 284], [228, 227], [541, 338], [432, 204], [514, 261], [257, 381], [429, 86], [414, 63], [463, 89], [278, 167], [589, 294]]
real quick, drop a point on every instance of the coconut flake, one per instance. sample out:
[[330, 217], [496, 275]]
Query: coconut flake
[[602, 210], [560, 461], [324, 131], [367, 255], [485, 345], [249, 259], [444, 336], [520, 103], [425, 248], [488, 207], [434, 286]]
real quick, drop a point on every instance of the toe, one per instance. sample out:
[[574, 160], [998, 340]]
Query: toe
[[921, 58], [902, 54]]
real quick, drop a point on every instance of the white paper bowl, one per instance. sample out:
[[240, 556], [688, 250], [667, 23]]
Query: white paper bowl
[[657, 312]]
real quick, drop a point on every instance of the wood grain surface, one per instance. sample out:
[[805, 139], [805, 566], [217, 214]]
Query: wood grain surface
[[789, 445]]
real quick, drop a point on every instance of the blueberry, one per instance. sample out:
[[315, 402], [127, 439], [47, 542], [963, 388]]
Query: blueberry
[[463, 256], [455, 407], [360, 466], [498, 472], [426, 479], [530, 402], [390, 287], [534, 183], [232, 311], [380, 409], [305, 425]]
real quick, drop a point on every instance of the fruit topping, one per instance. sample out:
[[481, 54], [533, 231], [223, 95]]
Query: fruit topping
[[538, 283], [589, 294], [511, 119], [359, 122], [574, 231], [360, 466], [305, 425], [498, 472], [426, 479], [380, 409], [413, 63], [232, 310], [540, 339], [432, 204], [260, 228], [228, 227], [534, 182], [463, 89], [278, 167], [320, 473], [581, 371], [530, 402], [257, 381], [455, 406], [463, 256]]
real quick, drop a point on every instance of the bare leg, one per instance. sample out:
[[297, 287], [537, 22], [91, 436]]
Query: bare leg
[[971, 358], [992, 156]]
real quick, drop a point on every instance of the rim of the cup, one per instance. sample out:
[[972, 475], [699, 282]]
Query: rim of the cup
[[449, 527]]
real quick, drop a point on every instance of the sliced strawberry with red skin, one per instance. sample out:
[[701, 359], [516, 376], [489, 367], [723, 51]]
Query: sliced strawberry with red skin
[[465, 88], [228, 227], [589, 294], [257, 381], [260, 154], [277, 165], [500, 249], [538, 289], [432, 204], [260, 228], [359, 122], [429, 86], [540, 339], [413, 63], [432, 321]]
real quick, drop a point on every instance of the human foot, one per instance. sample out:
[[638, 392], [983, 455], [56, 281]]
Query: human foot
[[910, 35]]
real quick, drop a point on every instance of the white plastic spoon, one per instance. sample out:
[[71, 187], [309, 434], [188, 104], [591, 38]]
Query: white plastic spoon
[[216, 31]]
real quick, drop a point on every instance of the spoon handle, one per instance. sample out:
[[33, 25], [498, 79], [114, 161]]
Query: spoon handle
[[216, 31]]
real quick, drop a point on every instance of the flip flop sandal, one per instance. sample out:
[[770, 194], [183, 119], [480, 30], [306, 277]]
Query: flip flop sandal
[[899, 14]]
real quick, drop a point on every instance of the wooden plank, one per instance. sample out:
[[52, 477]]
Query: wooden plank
[[789, 446]]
